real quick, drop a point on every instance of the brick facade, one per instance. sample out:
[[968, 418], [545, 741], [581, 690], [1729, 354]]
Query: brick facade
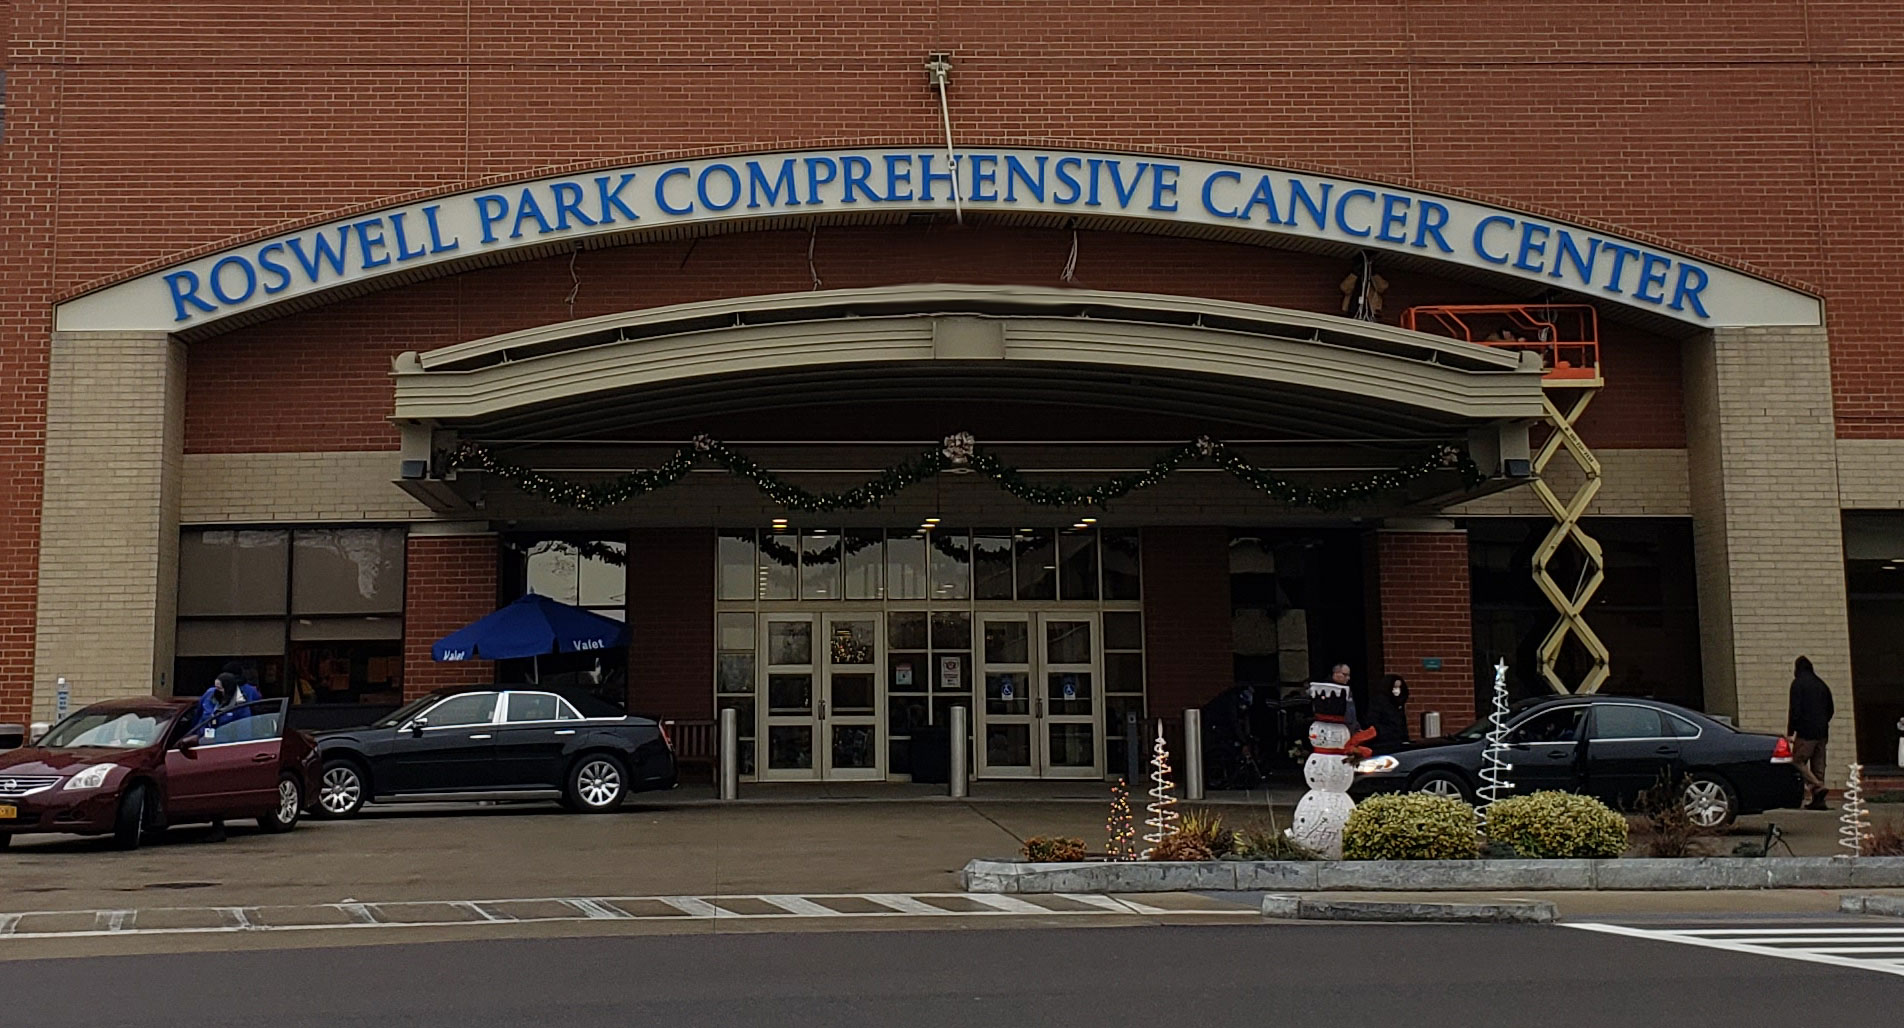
[[1419, 609], [1760, 132], [448, 582]]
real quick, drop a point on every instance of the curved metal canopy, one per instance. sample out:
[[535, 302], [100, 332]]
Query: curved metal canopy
[[1292, 373]]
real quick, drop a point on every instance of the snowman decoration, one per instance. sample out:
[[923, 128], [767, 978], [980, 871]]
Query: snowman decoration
[[1330, 770]]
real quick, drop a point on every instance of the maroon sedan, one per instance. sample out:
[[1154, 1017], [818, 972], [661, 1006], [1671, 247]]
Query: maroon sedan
[[131, 768]]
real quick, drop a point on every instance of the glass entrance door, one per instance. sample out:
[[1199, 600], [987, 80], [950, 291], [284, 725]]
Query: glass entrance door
[[1006, 725], [1039, 715], [851, 710], [1073, 746], [789, 721]]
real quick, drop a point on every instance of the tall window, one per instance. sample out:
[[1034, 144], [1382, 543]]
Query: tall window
[[315, 614], [588, 571]]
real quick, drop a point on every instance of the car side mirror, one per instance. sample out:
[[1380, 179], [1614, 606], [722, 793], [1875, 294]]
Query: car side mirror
[[190, 742], [417, 726]]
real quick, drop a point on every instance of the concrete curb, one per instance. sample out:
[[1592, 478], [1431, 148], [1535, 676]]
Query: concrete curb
[[1890, 906], [1627, 874], [1323, 908]]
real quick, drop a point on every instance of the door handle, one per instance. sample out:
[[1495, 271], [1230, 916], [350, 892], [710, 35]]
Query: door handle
[[1667, 751], [566, 731], [823, 710], [1039, 706], [264, 758], [479, 737], [1556, 754]]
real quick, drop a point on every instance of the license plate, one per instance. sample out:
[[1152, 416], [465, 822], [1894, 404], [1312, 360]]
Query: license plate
[[9, 812]]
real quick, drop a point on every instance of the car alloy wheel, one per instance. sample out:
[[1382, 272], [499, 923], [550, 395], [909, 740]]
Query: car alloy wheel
[[1440, 787], [598, 783], [341, 790], [1707, 803]]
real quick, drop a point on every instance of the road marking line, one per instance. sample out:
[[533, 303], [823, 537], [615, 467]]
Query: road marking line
[[113, 920], [800, 906], [237, 918], [594, 910], [904, 904], [1843, 930], [8, 922], [359, 913], [1736, 944], [694, 906], [480, 911], [1009, 904], [1109, 903]]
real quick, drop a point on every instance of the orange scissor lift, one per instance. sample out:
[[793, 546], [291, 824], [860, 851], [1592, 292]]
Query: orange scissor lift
[[1567, 337]]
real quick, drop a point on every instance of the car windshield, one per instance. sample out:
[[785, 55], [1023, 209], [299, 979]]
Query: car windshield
[[406, 712], [111, 730]]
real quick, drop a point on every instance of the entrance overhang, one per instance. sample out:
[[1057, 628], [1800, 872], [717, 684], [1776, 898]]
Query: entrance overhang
[[1293, 375]]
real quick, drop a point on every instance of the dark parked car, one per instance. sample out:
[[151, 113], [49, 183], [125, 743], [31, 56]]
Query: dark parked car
[[1611, 747], [492, 738], [131, 768]]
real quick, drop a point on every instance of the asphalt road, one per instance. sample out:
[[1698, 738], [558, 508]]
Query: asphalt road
[[1415, 975]]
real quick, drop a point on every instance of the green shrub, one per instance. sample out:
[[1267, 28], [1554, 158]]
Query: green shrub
[[1557, 824], [1043, 849], [1411, 826]]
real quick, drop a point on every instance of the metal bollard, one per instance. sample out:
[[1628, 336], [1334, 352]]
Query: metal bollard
[[955, 784], [1431, 725], [1900, 742], [730, 754], [1192, 754]]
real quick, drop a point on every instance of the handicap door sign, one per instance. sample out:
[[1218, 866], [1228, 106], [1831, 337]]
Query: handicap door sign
[[1070, 687], [1005, 690]]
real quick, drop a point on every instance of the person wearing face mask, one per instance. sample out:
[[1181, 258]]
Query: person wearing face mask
[[1388, 714]]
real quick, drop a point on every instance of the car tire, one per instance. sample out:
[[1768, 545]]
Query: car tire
[[341, 790], [1442, 783], [290, 806], [1710, 800], [133, 823], [597, 784]]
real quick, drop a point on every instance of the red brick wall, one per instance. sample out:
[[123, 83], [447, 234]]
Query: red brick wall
[[448, 582], [1189, 656], [1420, 609], [671, 617], [1761, 130]]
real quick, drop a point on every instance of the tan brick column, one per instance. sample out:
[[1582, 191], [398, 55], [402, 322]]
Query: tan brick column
[[115, 416], [1767, 532]]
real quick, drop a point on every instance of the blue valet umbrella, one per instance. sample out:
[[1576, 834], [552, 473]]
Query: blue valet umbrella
[[530, 627]]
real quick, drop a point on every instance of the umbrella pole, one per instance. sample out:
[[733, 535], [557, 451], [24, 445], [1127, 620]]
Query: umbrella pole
[[535, 669]]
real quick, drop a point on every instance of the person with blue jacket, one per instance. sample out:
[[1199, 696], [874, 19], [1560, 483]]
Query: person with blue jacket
[[227, 690]]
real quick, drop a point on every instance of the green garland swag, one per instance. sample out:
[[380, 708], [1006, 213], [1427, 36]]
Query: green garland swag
[[958, 453]]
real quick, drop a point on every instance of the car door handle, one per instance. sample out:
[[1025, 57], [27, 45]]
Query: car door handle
[[479, 737], [1668, 751], [1557, 754], [566, 731], [264, 758]]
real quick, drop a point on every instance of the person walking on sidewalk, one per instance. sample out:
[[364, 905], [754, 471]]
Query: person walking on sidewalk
[[1809, 725]]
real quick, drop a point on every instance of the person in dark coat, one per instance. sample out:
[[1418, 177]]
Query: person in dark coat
[[1809, 725], [1388, 714]]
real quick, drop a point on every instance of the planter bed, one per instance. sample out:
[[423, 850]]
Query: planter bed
[[1626, 873]]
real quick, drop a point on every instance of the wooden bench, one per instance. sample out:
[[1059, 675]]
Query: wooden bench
[[696, 744]]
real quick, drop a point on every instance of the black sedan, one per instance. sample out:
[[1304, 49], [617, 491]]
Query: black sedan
[[496, 739], [1610, 747]]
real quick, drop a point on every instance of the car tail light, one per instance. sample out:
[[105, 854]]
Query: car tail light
[[1782, 751], [667, 736]]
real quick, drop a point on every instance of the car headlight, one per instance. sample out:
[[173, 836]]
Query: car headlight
[[1377, 765], [91, 778]]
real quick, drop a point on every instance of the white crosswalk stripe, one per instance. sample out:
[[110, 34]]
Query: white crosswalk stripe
[[1868, 947], [497, 913]]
